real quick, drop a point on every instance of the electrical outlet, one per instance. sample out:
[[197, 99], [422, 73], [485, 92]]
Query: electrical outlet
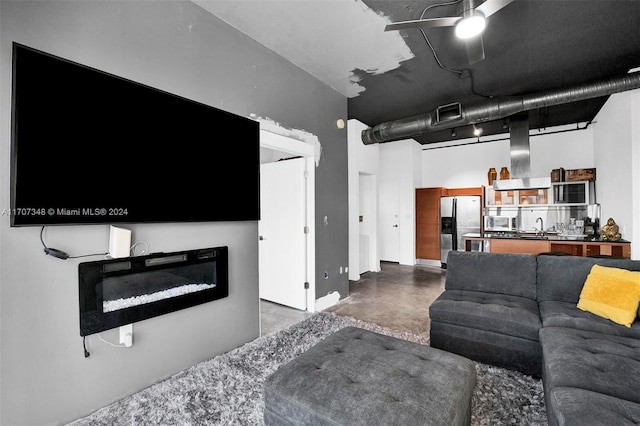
[[126, 335]]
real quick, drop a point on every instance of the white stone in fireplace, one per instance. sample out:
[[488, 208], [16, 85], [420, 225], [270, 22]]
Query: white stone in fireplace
[[117, 304]]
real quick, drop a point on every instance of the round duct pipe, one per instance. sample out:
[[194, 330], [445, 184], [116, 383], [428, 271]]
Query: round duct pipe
[[496, 109]]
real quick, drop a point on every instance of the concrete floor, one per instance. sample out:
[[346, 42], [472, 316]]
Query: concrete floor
[[397, 297], [274, 317]]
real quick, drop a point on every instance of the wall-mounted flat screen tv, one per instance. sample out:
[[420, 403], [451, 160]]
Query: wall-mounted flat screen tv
[[89, 147]]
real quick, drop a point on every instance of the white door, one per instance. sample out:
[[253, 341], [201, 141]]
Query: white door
[[282, 245], [366, 223], [389, 203]]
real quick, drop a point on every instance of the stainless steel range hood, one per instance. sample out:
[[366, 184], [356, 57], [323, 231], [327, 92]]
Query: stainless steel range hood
[[522, 183], [520, 158]]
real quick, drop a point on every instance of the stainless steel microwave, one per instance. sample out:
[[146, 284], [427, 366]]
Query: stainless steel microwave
[[500, 223]]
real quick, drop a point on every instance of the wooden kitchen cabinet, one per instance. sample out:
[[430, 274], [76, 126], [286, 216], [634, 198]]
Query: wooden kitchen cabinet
[[428, 223], [513, 245], [574, 248], [593, 248], [428, 217], [561, 194], [499, 198]]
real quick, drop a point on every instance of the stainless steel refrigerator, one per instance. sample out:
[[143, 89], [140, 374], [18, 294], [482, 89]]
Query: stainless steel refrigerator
[[458, 216]]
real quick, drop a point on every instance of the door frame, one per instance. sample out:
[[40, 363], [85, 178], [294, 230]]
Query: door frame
[[295, 147], [383, 231], [367, 223]]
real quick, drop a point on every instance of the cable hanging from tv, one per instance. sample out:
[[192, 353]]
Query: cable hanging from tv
[[61, 254]]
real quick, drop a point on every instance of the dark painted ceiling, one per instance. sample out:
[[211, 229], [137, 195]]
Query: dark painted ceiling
[[530, 46]]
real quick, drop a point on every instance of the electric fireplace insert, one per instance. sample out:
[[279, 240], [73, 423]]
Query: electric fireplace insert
[[122, 291]]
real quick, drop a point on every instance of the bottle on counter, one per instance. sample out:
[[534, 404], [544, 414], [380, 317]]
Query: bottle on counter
[[492, 175], [505, 174]]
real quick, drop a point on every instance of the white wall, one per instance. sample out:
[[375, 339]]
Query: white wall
[[363, 160], [467, 165], [398, 161], [408, 253], [617, 162], [400, 164]]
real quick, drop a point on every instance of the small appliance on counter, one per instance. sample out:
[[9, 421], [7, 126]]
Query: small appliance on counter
[[592, 221], [592, 227], [494, 223]]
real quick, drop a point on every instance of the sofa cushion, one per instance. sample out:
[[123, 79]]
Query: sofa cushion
[[498, 313], [580, 407], [592, 361], [561, 278], [498, 349], [565, 314], [611, 293], [512, 274]]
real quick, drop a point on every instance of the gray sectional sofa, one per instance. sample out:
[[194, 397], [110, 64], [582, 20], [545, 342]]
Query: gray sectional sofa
[[519, 312]]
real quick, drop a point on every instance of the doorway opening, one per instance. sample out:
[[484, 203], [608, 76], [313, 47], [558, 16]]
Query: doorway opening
[[286, 246], [389, 208], [367, 223]]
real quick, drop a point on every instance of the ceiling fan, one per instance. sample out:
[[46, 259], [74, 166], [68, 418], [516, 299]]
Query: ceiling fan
[[469, 25]]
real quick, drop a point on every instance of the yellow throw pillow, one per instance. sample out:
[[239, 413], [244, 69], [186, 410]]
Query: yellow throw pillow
[[611, 293]]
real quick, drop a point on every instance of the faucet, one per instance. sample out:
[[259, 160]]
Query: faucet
[[541, 224]]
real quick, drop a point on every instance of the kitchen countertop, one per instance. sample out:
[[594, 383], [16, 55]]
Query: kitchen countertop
[[548, 237]]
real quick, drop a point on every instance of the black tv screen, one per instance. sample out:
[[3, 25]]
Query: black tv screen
[[89, 147]]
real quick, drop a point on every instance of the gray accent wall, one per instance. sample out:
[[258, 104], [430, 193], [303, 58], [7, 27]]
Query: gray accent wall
[[179, 48]]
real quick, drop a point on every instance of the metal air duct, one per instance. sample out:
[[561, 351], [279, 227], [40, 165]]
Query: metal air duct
[[495, 109], [520, 158]]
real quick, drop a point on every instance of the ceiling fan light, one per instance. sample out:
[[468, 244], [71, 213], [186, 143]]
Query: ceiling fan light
[[470, 26]]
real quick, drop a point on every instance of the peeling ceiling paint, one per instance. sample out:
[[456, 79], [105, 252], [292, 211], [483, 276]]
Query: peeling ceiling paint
[[301, 135], [357, 39], [531, 46]]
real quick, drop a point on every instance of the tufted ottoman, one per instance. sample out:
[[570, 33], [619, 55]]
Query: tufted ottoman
[[357, 377]]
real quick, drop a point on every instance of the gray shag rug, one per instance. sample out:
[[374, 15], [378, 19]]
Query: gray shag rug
[[227, 390]]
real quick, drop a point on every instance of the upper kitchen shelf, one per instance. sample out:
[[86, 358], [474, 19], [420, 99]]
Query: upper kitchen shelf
[[581, 193]]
